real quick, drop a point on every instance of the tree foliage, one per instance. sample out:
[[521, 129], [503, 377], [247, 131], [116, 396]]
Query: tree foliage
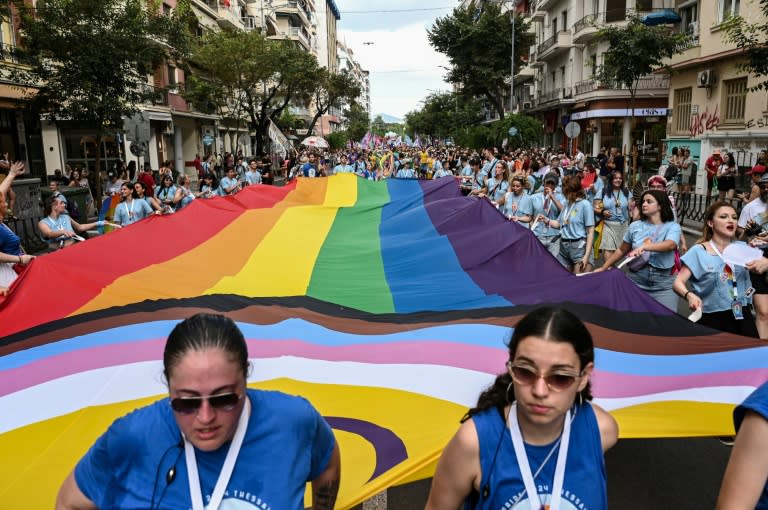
[[330, 90], [635, 51], [246, 72], [357, 121], [753, 39], [478, 44], [443, 114], [89, 61]]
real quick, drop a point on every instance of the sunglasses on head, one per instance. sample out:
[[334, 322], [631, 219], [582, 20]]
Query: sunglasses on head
[[220, 402], [525, 376]]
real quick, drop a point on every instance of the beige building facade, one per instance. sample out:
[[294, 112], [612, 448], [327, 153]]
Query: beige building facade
[[712, 106]]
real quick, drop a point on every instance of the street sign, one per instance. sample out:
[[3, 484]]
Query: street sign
[[572, 129], [208, 140], [138, 149], [512, 131]]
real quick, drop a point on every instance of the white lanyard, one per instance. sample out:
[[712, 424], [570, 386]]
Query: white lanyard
[[195, 492], [525, 468]]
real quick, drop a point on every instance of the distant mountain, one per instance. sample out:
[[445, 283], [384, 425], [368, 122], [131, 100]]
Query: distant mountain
[[389, 119]]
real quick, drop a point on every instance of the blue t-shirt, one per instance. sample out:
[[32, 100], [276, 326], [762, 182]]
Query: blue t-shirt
[[517, 206], [639, 231], [497, 188], [478, 181], [710, 281], [545, 206], [286, 445], [253, 176], [10, 243], [406, 173], [594, 191], [126, 214], [576, 218], [62, 224], [757, 402], [584, 485], [165, 193], [227, 183], [343, 169], [617, 203]]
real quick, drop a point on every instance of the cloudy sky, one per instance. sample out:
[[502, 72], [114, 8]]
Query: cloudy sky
[[404, 67]]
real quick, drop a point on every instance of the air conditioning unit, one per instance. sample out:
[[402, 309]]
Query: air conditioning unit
[[705, 78], [527, 105]]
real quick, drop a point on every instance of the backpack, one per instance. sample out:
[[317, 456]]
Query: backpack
[[670, 173]]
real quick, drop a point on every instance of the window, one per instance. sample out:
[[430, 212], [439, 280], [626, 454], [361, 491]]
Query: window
[[172, 75], [615, 10], [564, 17], [644, 5], [554, 26], [726, 9], [593, 63], [682, 110], [167, 10], [735, 98]]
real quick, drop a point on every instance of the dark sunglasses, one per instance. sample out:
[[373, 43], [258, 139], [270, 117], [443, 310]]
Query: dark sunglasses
[[220, 402], [526, 377]]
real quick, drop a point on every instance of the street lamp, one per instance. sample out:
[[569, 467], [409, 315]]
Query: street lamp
[[513, 13]]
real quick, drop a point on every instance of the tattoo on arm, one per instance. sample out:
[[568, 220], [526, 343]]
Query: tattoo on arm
[[324, 496]]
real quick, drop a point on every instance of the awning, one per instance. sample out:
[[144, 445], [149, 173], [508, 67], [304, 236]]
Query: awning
[[161, 116], [194, 115]]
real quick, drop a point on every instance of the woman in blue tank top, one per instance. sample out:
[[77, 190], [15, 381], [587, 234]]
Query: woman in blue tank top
[[534, 433]]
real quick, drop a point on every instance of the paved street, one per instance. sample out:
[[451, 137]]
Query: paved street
[[643, 474]]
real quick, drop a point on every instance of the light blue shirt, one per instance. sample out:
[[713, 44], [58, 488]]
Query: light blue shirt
[[546, 206], [343, 169], [478, 181], [126, 214], [517, 206], [497, 189], [639, 231], [617, 203], [226, 183], [576, 218], [405, 173], [710, 281], [595, 190], [253, 177]]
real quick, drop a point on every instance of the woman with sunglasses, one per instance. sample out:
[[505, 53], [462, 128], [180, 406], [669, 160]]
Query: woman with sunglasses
[[212, 439], [653, 241], [719, 289], [534, 433], [613, 206]]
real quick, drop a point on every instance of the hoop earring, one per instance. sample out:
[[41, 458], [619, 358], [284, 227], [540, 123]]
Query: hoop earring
[[506, 393]]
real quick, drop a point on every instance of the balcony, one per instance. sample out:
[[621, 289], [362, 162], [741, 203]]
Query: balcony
[[556, 44], [157, 96], [549, 96], [296, 34], [293, 9], [594, 87], [544, 5], [689, 49], [586, 28]]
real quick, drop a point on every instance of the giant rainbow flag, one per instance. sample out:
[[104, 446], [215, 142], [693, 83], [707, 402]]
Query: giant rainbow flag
[[386, 304]]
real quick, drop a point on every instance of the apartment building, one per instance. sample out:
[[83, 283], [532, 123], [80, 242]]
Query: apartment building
[[711, 105], [347, 63], [564, 62], [20, 131]]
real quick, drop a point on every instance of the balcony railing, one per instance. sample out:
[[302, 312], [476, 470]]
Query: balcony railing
[[548, 43], [590, 20], [689, 42], [550, 95], [645, 83]]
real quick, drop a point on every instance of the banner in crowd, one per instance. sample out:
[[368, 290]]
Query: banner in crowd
[[386, 304]]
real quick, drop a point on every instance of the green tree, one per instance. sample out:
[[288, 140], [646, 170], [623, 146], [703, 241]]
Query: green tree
[[262, 77], [753, 39], [89, 61], [478, 44], [634, 51], [443, 115], [529, 131], [357, 121], [331, 89]]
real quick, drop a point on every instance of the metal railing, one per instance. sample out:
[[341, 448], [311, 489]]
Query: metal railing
[[689, 42], [645, 83], [590, 20], [548, 43]]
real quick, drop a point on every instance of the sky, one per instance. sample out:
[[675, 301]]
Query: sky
[[404, 67]]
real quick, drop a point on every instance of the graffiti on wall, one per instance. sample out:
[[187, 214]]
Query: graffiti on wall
[[704, 121]]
